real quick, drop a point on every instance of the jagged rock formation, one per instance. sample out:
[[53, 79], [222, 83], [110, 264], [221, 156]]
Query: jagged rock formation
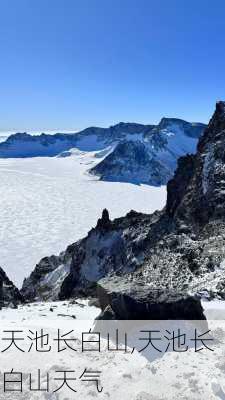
[[202, 202], [9, 294], [45, 281], [179, 249], [104, 223]]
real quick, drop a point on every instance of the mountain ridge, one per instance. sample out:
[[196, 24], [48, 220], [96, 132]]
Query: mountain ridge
[[113, 132], [116, 148]]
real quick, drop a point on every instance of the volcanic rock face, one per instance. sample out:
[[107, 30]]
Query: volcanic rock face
[[177, 250], [203, 194], [9, 294], [45, 281]]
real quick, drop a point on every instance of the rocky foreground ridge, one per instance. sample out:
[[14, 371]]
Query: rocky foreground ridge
[[177, 251]]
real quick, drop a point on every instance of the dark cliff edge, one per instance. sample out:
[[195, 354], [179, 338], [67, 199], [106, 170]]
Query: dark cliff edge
[[9, 294]]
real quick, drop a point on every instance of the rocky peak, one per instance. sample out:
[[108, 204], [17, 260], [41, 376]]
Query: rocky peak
[[18, 136], [177, 125], [131, 127], [215, 127], [196, 194], [165, 122], [104, 222]]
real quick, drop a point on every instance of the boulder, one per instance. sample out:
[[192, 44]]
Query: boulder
[[135, 300]]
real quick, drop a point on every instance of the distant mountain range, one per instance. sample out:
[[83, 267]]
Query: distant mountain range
[[133, 152]]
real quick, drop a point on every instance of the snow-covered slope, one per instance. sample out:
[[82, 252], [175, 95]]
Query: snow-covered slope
[[47, 203], [129, 374], [3, 138], [124, 373]]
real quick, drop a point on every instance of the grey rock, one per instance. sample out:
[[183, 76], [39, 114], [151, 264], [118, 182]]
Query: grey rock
[[9, 294]]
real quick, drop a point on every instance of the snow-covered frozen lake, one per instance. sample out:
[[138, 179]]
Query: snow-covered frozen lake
[[48, 203]]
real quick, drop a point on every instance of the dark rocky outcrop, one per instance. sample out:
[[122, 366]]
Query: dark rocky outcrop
[[104, 223], [180, 249], [199, 183], [177, 186], [46, 279], [120, 299], [9, 294]]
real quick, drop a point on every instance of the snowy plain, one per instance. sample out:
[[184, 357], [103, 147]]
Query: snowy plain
[[127, 375], [48, 203]]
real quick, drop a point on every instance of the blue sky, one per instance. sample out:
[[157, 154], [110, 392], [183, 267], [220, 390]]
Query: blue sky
[[69, 64]]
